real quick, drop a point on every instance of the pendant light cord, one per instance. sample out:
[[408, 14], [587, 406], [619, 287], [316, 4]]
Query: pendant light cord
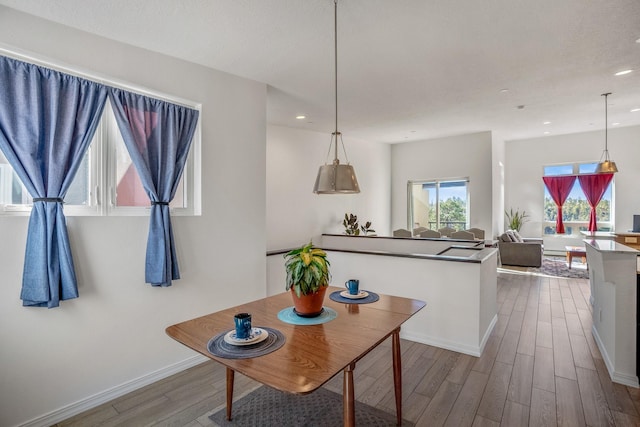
[[336, 134], [335, 62], [606, 123]]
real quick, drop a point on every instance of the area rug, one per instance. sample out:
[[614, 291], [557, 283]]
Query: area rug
[[555, 266], [269, 407]]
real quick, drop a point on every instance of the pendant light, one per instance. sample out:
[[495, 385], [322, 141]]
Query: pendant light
[[336, 178], [606, 165]]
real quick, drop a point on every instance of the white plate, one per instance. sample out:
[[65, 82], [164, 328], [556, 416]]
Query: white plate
[[257, 335], [359, 295]]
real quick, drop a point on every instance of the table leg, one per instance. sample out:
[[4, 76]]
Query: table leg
[[348, 402], [570, 258], [230, 376], [397, 373]]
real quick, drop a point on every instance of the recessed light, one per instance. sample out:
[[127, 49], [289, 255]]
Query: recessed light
[[504, 90], [301, 117], [547, 133], [635, 110], [623, 72], [520, 107], [638, 41], [615, 123], [413, 131], [546, 123]]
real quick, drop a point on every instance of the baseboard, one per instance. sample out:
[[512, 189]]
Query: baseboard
[[487, 333], [448, 345], [97, 399], [616, 377], [453, 345]]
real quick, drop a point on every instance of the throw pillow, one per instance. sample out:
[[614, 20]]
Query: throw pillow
[[511, 236], [518, 236]]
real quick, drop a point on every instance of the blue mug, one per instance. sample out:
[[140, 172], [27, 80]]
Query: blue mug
[[243, 325], [352, 285]]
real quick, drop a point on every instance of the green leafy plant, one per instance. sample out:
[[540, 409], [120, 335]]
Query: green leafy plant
[[307, 269], [350, 224], [516, 219], [366, 228]]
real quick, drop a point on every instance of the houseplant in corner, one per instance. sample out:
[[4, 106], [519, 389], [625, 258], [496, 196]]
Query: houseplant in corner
[[307, 279], [515, 220]]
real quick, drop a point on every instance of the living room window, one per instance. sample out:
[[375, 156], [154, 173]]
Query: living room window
[[575, 211], [107, 183], [438, 203]]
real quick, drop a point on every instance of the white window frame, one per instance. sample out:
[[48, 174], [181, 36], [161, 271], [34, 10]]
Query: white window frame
[[411, 183], [575, 225], [102, 175]]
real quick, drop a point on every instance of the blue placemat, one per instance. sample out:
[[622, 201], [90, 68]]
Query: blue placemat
[[372, 297], [288, 316], [219, 347]]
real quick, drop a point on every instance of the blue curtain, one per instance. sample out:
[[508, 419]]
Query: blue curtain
[[158, 136], [47, 121]]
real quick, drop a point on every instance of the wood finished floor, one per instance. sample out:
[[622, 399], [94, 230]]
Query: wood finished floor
[[541, 367]]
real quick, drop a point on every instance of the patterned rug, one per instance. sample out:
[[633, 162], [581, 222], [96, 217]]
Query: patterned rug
[[269, 407], [554, 266]]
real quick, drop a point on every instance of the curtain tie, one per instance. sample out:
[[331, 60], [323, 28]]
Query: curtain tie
[[48, 199], [160, 203]]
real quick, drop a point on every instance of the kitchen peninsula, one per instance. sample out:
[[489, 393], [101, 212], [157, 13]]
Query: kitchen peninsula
[[614, 282], [456, 278]]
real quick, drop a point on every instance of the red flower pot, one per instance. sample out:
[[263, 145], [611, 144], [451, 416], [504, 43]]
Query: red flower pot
[[309, 305]]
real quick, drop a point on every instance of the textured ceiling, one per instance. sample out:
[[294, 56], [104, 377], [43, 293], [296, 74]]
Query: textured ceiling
[[408, 69]]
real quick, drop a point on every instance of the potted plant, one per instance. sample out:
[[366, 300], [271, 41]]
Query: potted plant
[[366, 229], [307, 279], [516, 219], [350, 224]]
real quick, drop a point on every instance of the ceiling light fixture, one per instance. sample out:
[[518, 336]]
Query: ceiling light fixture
[[634, 110], [623, 72], [546, 123], [301, 117], [606, 165], [336, 178]]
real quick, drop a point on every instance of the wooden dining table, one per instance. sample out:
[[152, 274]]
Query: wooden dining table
[[312, 354]]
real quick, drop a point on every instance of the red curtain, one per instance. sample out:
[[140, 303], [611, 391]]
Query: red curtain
[[559, 187], [594, 187]]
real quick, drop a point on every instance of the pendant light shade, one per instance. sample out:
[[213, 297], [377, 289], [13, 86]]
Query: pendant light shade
[[336, 178], [606, 165]]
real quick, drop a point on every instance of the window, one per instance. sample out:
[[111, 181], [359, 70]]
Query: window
[[439, 203], [107, 182], [576, 210]]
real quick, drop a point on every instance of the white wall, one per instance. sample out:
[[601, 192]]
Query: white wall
[[453, 157], [112, 337], [525, 159], [498, 150], [294, 213]]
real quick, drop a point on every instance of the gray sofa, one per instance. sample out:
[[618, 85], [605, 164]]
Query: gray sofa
[[522, 252]]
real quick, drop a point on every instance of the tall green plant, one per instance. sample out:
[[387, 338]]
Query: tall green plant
[[307, 269], [516, 219]]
